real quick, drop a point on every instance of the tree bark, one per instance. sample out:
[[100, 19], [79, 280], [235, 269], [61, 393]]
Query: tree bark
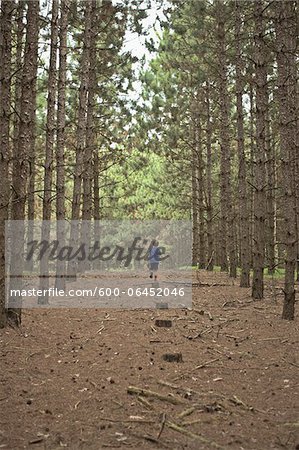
[[227, 213], [90, 135], [242, 176], [195, 227], [285, 25], [18, 65], [270, 198], [21, 157], [259, 181], [96, 201], [7, 8], [60, 144], [81, 133], [200, 187], [252, 133], [49, 150], [210, 235]]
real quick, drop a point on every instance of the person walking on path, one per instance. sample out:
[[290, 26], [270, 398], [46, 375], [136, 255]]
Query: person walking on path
[[154, 259]]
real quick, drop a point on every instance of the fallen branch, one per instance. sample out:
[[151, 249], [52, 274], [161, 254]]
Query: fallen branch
[[108, 419], [144, 402], [290, 362], [186, 412], [239, 402], [166, 383], [191, 422], [132, 390], [179, 429], [148, 438], [188, 390], [201, 366], [163, 420]]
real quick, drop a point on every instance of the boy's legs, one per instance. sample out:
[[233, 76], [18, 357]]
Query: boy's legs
[[154, 270], [151, 270]]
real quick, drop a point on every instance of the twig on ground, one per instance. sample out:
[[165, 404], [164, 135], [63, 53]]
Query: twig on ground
[[182, 430], [132, 390], [191, 422], [144, 402], [186, 412], [163, 419], [201, 366], [290, 362], [239, 402], [110, 419]]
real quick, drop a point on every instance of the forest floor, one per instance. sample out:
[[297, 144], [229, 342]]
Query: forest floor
[[66, 376]]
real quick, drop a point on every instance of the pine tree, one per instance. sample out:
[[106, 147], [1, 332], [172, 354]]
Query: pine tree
[[81, 131], [22, 149], [285, 24], [60, 142], [227, 209], [242, 175], [49, 148], [7, 9], [259, 179]]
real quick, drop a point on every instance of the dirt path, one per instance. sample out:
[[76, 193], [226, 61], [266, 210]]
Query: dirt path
[[64, 377]]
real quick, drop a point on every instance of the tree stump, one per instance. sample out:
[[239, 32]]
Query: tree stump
[[162, 305], [163, 323], [173, 357]]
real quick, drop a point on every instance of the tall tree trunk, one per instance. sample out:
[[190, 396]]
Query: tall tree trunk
[[32, 173], [259, 192], [227, 213], [243, 200], [90, 134], [49, 150], [297, 183], [7, 8], [251, 166], [21, 156], [210, 236], [195, 227], [270, 199], [96, 200], [18, 65], [200, 197], [285, 24], [81, 132], [60, 144], [195, 185]]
